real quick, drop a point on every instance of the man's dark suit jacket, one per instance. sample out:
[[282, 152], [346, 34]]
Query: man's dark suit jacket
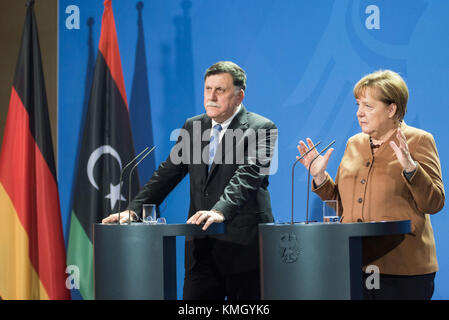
[[238, 190]]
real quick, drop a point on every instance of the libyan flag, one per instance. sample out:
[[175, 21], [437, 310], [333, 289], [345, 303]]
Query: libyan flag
[[107, 146], [32, 252]]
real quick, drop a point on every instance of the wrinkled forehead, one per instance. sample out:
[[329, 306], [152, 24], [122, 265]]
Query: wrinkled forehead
[[219, 79]]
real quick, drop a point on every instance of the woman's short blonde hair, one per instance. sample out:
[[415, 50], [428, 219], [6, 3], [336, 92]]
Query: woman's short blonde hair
[[389, 88]]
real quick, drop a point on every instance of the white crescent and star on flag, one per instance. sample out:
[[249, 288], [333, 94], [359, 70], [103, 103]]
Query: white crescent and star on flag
[[114, 191]]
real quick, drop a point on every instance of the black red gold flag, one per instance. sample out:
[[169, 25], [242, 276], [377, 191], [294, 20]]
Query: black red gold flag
[[32, 252]]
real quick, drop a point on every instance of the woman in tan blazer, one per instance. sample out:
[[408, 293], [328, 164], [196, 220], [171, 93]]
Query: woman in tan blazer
[[389, 171]]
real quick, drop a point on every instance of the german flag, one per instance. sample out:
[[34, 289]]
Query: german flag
[[32, 252], [107, 146]]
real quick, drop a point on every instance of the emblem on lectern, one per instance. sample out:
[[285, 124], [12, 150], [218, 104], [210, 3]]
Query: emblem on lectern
[[288, 248]]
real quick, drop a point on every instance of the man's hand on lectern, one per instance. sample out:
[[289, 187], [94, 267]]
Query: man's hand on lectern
[[208, 217], [124, 217]]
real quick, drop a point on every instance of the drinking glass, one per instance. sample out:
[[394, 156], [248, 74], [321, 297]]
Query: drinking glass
[[330, 211], [149, 214]]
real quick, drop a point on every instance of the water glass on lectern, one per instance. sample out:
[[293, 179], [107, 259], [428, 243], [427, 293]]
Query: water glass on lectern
[[149, 214], [330, 211]]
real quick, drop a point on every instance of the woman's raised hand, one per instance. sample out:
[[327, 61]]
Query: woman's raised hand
[[318, 168]]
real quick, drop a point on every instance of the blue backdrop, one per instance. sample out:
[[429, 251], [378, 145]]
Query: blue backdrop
[[302, 60]]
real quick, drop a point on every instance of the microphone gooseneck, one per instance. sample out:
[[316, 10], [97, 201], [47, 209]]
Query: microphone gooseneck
[[293, 174], [121, 176], [130, 179], [308, 179]]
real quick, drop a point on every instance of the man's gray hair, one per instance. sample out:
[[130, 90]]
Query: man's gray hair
[[237, 73]]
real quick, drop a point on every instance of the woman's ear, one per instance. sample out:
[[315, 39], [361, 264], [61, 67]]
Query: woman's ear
[[392, 108]]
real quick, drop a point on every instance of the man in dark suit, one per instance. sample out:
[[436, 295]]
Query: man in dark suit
[[227, 153]]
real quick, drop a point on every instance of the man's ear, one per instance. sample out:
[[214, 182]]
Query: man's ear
[[241, 95]]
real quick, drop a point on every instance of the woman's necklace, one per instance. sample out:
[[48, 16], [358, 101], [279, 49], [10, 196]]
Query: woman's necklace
[[386, 137], [372, 145]]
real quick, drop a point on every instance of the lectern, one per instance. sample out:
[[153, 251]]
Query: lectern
[[138, 261], [319, 261]]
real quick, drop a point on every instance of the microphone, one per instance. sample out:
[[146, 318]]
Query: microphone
[[293, 173], [129, 182], [308, 179], [121, 177]]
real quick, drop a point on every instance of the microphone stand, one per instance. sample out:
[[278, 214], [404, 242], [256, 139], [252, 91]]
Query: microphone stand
[[293, 174], [121, 176], [130, 179], [121, 181]]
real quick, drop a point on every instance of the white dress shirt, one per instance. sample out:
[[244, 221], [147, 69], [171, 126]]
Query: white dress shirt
[[225, 124]]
